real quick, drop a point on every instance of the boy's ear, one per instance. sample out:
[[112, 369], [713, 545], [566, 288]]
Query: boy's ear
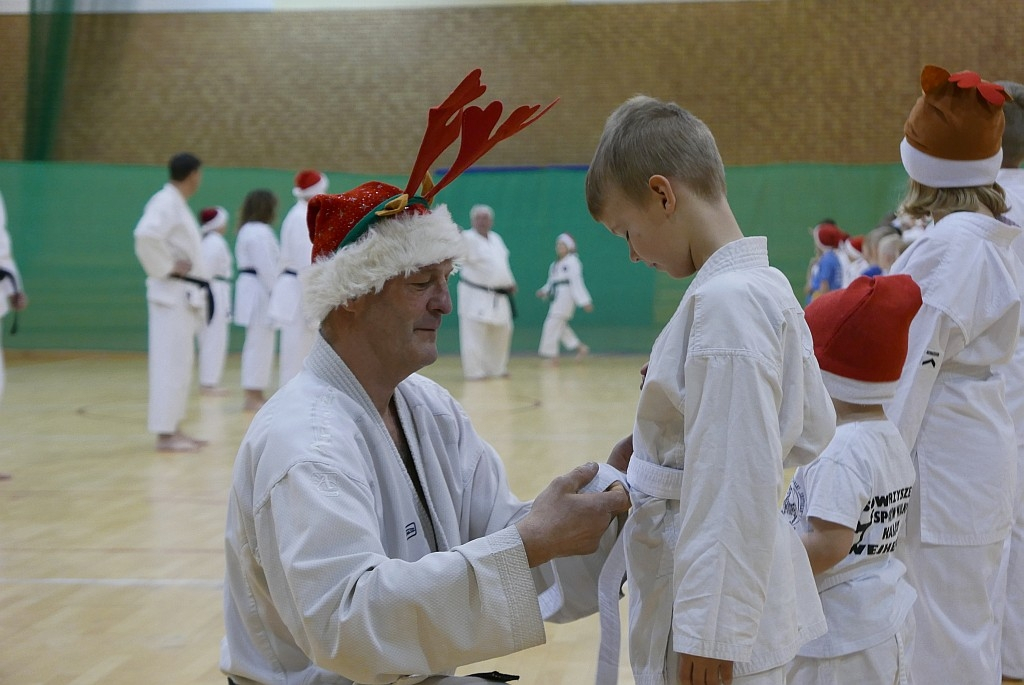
[[662, 189]]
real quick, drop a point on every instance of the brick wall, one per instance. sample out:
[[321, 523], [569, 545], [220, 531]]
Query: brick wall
[[777, 81]]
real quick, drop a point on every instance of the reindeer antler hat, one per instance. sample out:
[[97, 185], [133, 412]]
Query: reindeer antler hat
[[376, 231]]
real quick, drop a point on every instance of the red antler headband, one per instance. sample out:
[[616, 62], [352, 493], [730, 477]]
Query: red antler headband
[[445, 123]]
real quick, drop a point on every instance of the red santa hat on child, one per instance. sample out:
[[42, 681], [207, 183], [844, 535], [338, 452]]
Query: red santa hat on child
[[376, 231], [212, 219], [953, 136], [309, 182], [827, 234], [567, 240], [860, 336]]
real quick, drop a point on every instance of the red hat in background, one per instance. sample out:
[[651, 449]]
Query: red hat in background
[[212, 219], [857, 243], [827, 234], [953, 135], [376, 231], [861, 334], [309, 182]]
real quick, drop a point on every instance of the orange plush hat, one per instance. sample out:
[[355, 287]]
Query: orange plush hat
[[376, 231], [861, 334], [953, 136]]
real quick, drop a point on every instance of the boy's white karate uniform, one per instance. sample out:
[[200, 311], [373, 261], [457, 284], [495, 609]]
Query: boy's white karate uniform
[[285, 308], [166, 233], [951, 410], [7, 288], [255, 248], [1012, 604], [213, 337], [567, 291], [862, 481], [732, 392], [485, 317]]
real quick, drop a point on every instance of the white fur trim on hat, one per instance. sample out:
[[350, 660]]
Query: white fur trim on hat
[[315, 189], [219, 220], [566, 240], [857, 392], [935, 172], [392, 247]]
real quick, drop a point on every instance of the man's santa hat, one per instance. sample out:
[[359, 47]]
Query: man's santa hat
[[376, 231], [309, 182], [953, 136], [212, 219], [860, 336]]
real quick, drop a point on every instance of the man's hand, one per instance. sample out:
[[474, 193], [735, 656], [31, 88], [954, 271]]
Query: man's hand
[[700, 670], [563, 522], [181, 267]]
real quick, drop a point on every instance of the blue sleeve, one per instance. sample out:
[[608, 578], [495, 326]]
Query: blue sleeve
[[829, 269]]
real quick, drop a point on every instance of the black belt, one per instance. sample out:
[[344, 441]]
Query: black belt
[[290, 272], [223, 279], [247, 271], [4, 273], [205, 285], [507, 292]]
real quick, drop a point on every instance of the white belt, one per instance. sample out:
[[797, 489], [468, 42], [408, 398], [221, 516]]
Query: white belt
[[654, 480]]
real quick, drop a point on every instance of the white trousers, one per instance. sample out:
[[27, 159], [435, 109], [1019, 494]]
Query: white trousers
[[958, 631], [887, 663], [484, 348], [296, 342], [257, 354], [213, 351], [172, 333], [556, 330], [1013, 604]]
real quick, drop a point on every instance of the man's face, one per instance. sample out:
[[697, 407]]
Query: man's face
[[482, 222], [402, 320]]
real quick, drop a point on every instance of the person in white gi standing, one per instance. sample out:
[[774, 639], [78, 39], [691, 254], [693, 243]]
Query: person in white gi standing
[[719, 585], [12, 290], [213, 337], [566, 290], [1011, 179], [167, 246], [257, 256], [850, 503], [485, 290], [949, 403], [285, 308], [371, 535]]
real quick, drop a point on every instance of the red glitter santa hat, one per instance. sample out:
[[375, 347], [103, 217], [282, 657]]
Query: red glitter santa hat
[[309, 182], [212, 219], [953, 136], [860, 336], [376, 231]]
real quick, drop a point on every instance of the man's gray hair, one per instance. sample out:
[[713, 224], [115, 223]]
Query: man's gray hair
[[479, 210]]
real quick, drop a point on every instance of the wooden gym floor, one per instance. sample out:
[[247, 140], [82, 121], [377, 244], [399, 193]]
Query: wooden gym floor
[[111, 554]]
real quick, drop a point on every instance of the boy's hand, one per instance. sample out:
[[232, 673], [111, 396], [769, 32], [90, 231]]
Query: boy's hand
[[701, 670], [621, 453]]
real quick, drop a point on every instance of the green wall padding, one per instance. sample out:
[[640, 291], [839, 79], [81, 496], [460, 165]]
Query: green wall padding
[[71, 227]]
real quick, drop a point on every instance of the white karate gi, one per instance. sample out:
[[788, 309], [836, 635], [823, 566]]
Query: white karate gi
[[213, 337], [950, 408], [1012, 605], [8, 287], [862, 481], [485, 317], [335, 571], [732, 392], [256, 249], [285, 308], [852, 261], [166, 233], [567, 291]]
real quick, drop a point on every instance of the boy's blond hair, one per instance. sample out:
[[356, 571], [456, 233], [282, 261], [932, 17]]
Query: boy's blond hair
[[645, 137], [924, 201]]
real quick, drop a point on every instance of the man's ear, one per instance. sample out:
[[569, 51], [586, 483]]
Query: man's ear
[[662, 189]]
